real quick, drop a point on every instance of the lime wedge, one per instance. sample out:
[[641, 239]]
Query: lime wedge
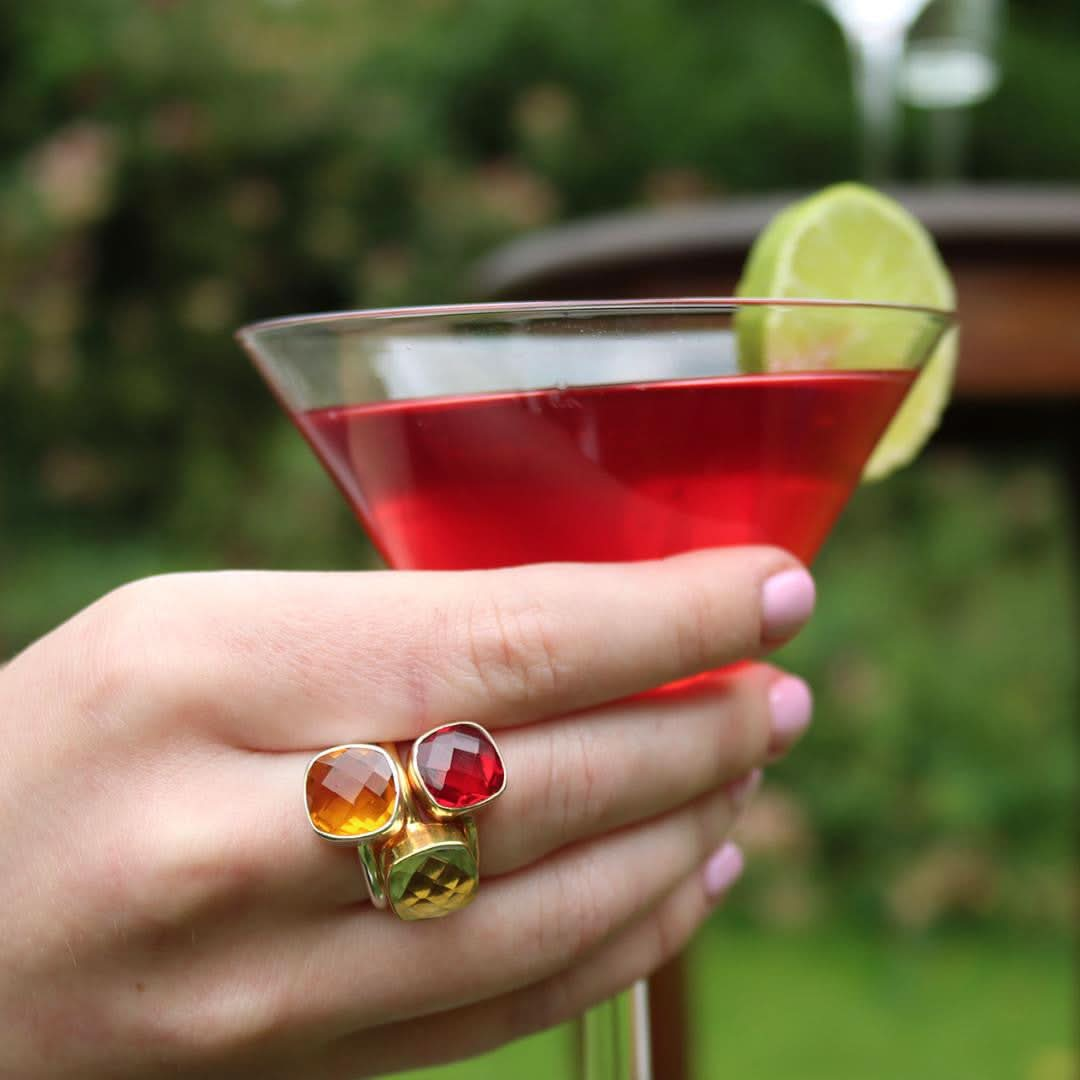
[[849, 242]]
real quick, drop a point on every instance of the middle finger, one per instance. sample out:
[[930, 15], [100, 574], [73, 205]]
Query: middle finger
[[569, 780]]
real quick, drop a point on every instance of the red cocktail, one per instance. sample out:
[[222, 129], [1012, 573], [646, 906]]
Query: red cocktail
[[607, 472]]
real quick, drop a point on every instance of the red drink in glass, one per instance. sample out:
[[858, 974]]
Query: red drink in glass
[[617, 472]]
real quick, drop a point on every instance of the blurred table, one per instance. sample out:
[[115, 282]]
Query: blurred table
[[1015, 255]]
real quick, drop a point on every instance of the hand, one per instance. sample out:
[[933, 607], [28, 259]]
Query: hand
[[167, 909]]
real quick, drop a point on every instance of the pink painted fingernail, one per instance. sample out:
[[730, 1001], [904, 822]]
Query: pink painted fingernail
[[791, 704], [723, 870], [742, 790], [787, 601]]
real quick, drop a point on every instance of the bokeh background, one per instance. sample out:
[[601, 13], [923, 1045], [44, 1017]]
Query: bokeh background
[[171, 169]]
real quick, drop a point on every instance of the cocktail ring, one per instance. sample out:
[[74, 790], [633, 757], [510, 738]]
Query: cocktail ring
[[430, 869], [455, 769], [416, 839], [355, 793]]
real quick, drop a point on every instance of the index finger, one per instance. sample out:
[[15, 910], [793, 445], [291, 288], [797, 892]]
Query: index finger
[[303, 660]]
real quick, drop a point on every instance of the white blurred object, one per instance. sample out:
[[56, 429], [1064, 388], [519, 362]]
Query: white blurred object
[[947, 74], [875, 31], [869, 17], [948, 67]]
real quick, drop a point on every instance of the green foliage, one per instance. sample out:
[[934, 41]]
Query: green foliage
[[822, 1006], [171, 170], [940, 774]]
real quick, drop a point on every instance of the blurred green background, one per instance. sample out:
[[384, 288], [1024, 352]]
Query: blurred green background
[[171, 169]]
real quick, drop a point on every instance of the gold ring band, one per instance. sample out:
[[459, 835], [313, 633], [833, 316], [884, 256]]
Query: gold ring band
[[369, 863]]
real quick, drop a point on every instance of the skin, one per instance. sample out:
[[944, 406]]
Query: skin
[[168, 910]]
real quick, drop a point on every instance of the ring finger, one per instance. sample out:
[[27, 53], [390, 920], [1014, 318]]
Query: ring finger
[[524, 928], [569, 780]]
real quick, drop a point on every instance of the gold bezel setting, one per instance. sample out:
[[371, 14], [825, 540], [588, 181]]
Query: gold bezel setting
[[430, 870]]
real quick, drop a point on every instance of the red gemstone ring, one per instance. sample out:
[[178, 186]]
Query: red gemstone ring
[[455, 769]]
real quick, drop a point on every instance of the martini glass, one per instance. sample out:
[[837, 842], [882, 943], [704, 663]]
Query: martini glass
[[501, 434]]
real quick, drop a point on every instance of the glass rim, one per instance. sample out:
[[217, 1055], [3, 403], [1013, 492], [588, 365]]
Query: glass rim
[[700, 305]]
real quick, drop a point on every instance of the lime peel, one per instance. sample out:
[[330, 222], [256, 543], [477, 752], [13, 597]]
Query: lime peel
[[849, 242]]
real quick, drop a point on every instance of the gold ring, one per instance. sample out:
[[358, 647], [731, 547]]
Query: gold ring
[[430, 869], [413, 828]]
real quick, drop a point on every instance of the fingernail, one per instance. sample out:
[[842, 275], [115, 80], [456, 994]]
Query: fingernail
[[791, 703], [742, 790], [787, 601], [723, 870]]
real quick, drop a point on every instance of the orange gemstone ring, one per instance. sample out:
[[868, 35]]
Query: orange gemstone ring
[[354, 793], [412, 826]]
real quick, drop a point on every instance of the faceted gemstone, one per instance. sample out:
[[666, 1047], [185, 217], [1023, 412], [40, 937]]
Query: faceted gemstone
[[460, 766], [351, 792], [432, 882]]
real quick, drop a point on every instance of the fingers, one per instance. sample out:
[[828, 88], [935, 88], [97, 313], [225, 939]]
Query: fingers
[[301, 661], [523, 928], [569, 780], [589, 774], [233, 822], [633, 954]]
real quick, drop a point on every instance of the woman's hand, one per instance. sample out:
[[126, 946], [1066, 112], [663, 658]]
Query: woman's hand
[[166, 907]]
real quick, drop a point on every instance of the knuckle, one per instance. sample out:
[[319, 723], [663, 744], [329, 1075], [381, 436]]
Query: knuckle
[[577, 919], [132, 615], [122, 647], [111, 643], [594, 793], [664, 942], [213, 1025], [573, 784], [665, 933], [552, 1003], [561, 801], [671, 926], [510, 649], [740, 741], [694, 643], [707, 825], [238, 1018], [752, 718], [163, 890]]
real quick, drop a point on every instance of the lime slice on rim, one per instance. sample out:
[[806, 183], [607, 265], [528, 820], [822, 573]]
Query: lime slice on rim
[[849, 242]]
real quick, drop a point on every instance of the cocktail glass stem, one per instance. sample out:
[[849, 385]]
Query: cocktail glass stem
[[615, 1037], [876, 62], [875, 31], [948, 68]]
